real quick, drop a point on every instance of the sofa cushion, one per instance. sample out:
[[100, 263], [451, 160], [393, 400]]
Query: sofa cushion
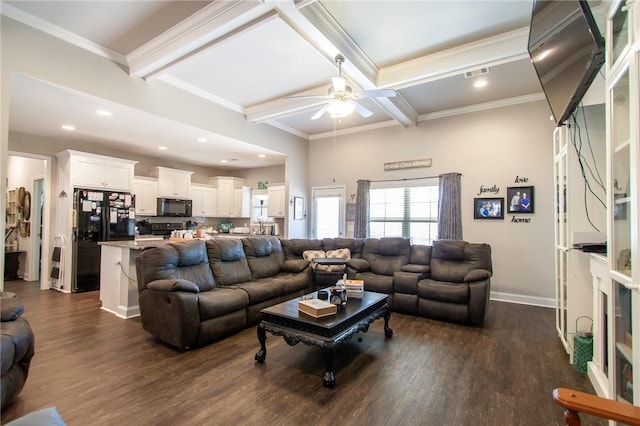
[[186, 260], [386, 255], [293, 248], [420, 254], [342, 253], [228, 261], [353, 244], [264, 256], [260, 290], [173, 285], [220, 301], [376, 282], [446, 264], [443, 291], [448, 249], [294, 265], [309, 255]]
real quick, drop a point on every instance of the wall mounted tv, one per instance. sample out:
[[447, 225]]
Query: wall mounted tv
[[567, 52]]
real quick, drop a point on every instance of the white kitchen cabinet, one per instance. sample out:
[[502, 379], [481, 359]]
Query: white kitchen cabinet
[[242, 201], [146, 192], [97, 172], [277, 201], [173, 183], [226, 195], [204, 200]]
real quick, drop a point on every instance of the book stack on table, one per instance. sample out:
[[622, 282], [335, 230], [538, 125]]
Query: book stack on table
[[317, 308], [355, 288]]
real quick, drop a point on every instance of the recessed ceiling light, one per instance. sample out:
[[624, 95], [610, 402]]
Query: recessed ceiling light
[[262, 155], [480, 83], [202, 140], [68, 127], [103, 113], [224, 161], [163, 148]]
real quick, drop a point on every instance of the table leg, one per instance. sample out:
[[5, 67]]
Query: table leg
[[329, 378], [387, 331], [262, 338]]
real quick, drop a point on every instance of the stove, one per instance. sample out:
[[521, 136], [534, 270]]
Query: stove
[[165, 228]]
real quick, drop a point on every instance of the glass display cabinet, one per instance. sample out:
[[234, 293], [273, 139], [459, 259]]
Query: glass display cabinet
[[618, 305]]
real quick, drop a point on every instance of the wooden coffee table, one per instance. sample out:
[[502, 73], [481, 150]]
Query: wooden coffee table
[[295, 327]]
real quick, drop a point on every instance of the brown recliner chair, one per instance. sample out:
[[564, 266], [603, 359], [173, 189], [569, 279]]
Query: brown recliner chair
[[17, 348]]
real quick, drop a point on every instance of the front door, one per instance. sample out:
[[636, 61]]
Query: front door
[[328, 212]]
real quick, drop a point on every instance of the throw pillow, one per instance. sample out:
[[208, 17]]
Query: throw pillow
[[314, 254], [343, 253]]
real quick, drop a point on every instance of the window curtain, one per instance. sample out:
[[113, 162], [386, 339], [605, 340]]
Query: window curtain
[[361, 225], [449, 214]]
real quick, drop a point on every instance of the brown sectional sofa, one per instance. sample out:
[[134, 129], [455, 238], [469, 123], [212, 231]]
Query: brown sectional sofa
[[17, 347], [192, 293]]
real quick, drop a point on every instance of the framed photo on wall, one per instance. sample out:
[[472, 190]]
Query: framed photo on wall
[[520, 199], [488, 208], [298, 206]]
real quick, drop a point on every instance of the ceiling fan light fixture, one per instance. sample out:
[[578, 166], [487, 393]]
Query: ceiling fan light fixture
[[339, 109]]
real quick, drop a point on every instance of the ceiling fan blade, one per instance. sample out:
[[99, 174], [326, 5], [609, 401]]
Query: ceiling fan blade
[[339, 84], [320, 112], [363, 111], [382, 93], [308, 97]]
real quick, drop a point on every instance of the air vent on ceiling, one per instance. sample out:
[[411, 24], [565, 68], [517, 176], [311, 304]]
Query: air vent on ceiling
[[475, 73]]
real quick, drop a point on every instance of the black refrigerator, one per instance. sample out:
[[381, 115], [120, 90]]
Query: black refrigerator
[[98, 216]]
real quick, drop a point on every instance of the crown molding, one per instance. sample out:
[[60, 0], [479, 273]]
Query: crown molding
[[288, 129], [176, 82], [507, 47], [62, 34], [483, 107], [214, 21]]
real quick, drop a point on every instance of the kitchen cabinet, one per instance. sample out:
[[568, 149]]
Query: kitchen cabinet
[[146, 192], [96, 171], [173, 183], [226, 196], [242, 201], [277, 201], [204, 200]]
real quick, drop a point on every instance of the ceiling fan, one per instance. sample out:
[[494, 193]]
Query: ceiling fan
[[341, 100]]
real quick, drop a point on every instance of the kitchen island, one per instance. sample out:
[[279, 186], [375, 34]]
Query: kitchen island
[[118, 283]]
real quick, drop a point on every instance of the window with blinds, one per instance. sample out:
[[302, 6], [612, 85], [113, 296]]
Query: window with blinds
[[409, 212]]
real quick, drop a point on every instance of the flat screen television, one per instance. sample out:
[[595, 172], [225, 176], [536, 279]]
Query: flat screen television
[[566, 50]]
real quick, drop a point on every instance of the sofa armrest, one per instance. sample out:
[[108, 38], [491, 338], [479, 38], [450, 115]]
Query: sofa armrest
[[173, 285], [294, 265], [359, 264], [406, 282], [416, 269], [477, 275], [11, 309], [479, 292]]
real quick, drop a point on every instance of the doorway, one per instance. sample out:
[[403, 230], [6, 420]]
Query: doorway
[[328, 212]]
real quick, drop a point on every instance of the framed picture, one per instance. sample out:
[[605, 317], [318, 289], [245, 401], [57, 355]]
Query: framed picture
[[488, 208], [298, 207], [351, 212], [520, 199]]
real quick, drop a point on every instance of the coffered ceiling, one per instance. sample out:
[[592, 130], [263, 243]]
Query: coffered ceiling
[[248, 56]]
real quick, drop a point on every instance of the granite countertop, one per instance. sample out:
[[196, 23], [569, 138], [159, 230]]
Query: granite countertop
[[135, 245]]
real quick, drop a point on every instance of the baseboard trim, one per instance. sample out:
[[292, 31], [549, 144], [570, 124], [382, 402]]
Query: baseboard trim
[[523, 300]]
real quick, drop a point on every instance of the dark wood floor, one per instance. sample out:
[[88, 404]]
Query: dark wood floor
[[102, 370]]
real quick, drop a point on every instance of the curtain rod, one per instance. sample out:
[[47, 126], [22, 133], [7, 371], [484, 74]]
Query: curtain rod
[[403, 179]]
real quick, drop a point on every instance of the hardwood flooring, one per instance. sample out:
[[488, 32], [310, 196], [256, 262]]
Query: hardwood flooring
[[98, 369]]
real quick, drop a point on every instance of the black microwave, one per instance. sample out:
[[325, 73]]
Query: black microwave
[[174, 207]]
